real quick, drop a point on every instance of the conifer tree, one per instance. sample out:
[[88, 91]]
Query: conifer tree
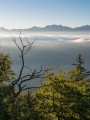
[[79, 66]]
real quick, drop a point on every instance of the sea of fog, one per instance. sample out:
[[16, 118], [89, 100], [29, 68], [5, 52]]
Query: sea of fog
[[50, 49]]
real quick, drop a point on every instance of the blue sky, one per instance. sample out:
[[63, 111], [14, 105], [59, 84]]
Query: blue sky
[[28, 13]]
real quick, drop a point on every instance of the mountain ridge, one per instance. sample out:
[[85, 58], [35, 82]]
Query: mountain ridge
[[51, 28]]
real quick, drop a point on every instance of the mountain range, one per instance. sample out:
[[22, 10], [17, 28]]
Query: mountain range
[[49, 28]]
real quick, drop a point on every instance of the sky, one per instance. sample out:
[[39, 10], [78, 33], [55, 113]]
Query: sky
[[29, 13]]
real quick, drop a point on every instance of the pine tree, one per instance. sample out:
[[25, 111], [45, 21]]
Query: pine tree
[[79, 66]]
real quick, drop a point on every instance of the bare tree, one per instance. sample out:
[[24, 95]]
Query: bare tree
[[20, 81]]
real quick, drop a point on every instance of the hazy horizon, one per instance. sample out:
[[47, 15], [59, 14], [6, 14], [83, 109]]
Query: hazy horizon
[[28, 13], [45, 26]]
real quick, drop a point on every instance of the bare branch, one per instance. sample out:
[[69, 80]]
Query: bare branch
[[25, 48]]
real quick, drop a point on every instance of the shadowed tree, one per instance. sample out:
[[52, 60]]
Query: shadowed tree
[[6, 75], [83, 73]]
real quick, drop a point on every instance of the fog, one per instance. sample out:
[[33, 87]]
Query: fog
[[49, 49]]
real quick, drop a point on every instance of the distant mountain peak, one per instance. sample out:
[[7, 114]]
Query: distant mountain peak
[[49, 28], [2, 28]]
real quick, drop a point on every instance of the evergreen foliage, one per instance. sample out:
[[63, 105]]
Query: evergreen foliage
[[83, 73], [62, 95]]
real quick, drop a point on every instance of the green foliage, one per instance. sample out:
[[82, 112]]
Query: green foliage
[[5, 96], [64, 99], [6, 72], [62, 95]]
